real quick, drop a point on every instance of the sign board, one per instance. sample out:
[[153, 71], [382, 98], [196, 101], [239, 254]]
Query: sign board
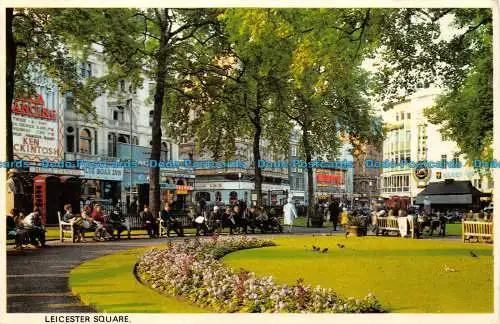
[[111, 174], [37, 127], [57, 171]]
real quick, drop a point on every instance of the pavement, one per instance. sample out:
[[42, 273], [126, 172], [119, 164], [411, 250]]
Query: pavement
[[38, 278]]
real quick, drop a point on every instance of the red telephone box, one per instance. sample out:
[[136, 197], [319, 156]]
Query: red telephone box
[[46, 196]]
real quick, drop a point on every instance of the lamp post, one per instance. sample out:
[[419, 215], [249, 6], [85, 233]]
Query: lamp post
[[129, 104], [370, 184], [239, 183]]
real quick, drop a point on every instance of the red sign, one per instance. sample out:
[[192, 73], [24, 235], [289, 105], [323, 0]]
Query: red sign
[[33, 107], [330, 178]]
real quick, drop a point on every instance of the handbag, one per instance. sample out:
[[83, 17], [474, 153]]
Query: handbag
[[86, 224], [78, 221]]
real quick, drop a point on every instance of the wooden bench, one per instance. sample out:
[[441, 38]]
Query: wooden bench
[[391, 224], [64, 228], [478, 230]]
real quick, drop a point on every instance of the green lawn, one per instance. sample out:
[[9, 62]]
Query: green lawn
[[108, 283], [406, 275]]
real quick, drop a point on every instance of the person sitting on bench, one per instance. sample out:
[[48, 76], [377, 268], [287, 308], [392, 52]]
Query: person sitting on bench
[[36, 230], [170, 222], [116, 222], [150, 221], [14, 228], [76, 220]]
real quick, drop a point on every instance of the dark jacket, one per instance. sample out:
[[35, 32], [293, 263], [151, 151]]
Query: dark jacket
[[147, 216], [334, 210], [116, 217], [167, 216]]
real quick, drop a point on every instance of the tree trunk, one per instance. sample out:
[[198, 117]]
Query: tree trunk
[[310, 183], [11, 67], [256, 158], [256, 147], [161, 73]]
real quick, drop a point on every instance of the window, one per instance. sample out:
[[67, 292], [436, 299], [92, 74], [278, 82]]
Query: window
[[408, 116], [151, 118], [443, 161], [477, 183], [397, 117], [111, 144], [85, 141], [122, 85], [396, 183], [135, 140], [70, 101], [70, 139], [202, 195], [294, 150], [402, 115], [123, 139], [118, 114], [85, 70], [456, 159], [218, 196], [164, 151]]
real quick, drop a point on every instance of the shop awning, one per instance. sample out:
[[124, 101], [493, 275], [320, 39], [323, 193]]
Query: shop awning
[[446, 199], [450, 192]]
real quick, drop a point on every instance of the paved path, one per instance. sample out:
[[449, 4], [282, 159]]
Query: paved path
[[37, 279]]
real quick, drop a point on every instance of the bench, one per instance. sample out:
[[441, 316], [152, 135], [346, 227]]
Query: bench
[[483, 230], [185, 220], [64, 228], [391, 224]]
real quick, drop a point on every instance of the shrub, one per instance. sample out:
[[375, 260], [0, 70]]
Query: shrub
[[192, 270]]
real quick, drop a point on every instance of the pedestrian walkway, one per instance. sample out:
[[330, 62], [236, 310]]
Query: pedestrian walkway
[[37, 279]]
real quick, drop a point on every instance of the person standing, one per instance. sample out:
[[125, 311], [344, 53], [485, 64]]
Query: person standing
[[290, 214], [344, 219], [334, 214]]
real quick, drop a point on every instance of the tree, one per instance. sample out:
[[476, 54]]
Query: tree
[[239, 85], [326, 93], [418, 53], [35, 41], [148, 43]]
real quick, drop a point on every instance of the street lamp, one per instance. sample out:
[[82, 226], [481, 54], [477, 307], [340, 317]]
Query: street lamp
[[239, 182], [129, 105], [370, 184]]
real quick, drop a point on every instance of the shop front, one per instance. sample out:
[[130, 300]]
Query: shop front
[[102, 184]]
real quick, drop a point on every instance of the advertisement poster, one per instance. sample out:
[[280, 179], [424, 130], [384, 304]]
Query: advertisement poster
[[37, 125]]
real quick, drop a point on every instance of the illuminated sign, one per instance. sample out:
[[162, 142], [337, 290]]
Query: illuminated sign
[[36, 129]]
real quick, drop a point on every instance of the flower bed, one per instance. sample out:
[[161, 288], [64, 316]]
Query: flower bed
[[192, 270]]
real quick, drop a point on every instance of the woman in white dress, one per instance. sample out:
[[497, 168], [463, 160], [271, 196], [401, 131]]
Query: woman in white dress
[[290, 214]]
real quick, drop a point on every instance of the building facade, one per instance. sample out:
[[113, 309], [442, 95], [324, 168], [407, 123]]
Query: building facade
[[411, 138], [367, 180], [227, 185]]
